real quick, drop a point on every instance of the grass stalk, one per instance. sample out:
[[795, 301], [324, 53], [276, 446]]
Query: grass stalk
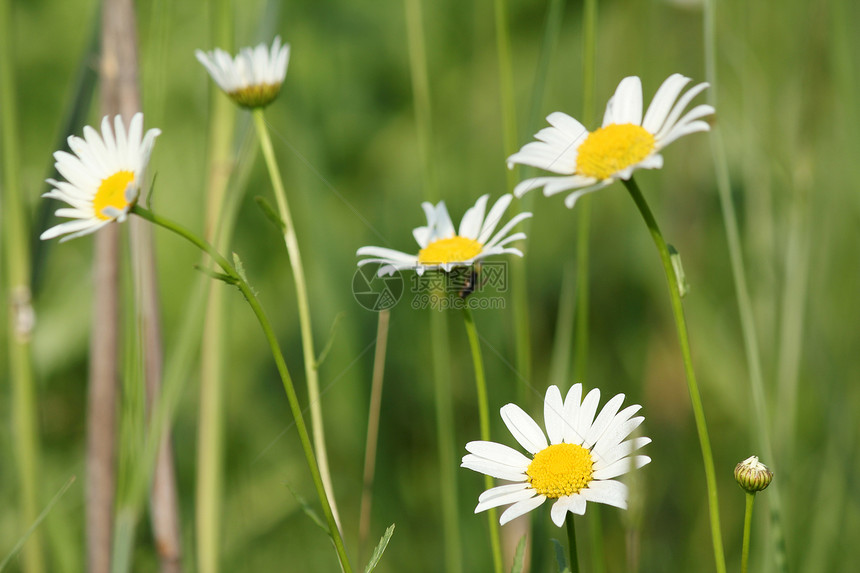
[[692, 385], [484, 418], [571, 544], [18, 272], [761, 426], [235, 278], [217, 230], [372, 431], [745, 551], [310, 359]]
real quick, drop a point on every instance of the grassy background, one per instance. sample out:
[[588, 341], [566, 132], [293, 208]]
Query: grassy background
[[344, 131]]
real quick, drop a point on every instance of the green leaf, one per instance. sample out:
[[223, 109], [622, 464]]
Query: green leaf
[[560, 556], [380, 549], [519, 556], [309, 511], [270, 213], [215, 275], [328, 344], [675, 257], [240, 268]]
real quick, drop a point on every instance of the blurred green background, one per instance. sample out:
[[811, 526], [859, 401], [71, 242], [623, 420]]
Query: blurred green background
[[345, 134]]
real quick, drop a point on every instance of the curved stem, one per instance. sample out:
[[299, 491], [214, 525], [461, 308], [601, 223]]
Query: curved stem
[[310, 359], [745, 553], [484, 417], [692, 385], [571, 544], [287, 381]]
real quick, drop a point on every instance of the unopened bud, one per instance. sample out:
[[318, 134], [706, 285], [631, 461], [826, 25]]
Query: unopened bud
[[752, 475]]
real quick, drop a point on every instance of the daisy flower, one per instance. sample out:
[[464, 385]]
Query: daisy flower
[[443, 247], [626, 142], [576, 466], [103, 177], [254, 77]]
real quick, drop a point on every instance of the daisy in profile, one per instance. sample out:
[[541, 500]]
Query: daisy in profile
[[588, 161], [254, 77], [444, 247], [102, 178], [574, 467]]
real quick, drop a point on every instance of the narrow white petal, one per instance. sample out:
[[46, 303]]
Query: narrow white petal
[[444, 226], [616, 433], [627, 101], [499, 453], [490, 468], [523, 492], [678, 109], [506, 229], [553, 415], [523, 428], [494, 216], [610, 455], [560, 508], [587, 411], [604, 419], [620, 467], [571, 414], [610, 492], [660, 106], [473, 219], [570, 200], [386, 253], [687, 129], [521, 508]]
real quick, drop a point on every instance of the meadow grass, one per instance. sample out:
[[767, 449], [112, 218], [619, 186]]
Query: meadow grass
[[367, 125]]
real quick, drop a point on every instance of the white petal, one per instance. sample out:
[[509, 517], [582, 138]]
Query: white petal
[[499, 453], [521, 508], [610, 492], [560, 508], [522, 491], [627, 101], [523, 428], [609, 455], [473, 219], [620, 467], [616, 433], [571, 199], [494, 216], [571, 414], [389, 254], [678, 108], [587, 411], [666, 95], [553, 415], [604, 419], [491, 468], [508, 226]]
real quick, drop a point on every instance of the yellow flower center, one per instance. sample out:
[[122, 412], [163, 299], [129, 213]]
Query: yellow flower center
[[259, 95], [608, 150], [451, 250], [111, 193], [560, 469]]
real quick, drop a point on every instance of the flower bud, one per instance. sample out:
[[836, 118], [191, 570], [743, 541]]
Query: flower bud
[[752, 475]]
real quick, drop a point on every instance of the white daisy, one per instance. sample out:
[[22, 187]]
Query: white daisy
[[443, 247], [254, 77], [584, 453], [626, 142], [103, 177]]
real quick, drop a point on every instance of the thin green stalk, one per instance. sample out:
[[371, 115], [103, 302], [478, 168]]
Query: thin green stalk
[[692, 385], [571, 544], [748, 328], [235, 278], [311, 366], [484, 417], [445, 438], [16, 255], [745, 552], [219, 225], [372, 430]]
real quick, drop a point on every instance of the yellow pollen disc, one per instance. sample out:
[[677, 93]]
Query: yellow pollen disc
[[111, 193], [610, 149], [560, 469], [451, 250]]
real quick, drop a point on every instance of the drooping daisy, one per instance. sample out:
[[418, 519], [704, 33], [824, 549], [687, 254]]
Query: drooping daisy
[[626, 142], [103, 177], [254, 77], [443, 247], [576, 466]]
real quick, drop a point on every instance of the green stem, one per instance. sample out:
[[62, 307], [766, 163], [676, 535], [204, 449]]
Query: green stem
[[445, 438], [18, 274], [745, 553], [311, 366], [484, 417], [692, 385], [278, 356], [571, 544]]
